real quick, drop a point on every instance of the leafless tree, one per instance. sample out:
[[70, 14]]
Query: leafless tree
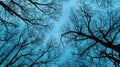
[[95, 31], [23, 24]]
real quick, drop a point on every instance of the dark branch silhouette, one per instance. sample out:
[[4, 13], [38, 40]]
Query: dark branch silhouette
[[96, 24], [23, 25]]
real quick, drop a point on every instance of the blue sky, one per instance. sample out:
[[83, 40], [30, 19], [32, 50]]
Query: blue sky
[[64, 19], [57, 30], [58, 26]]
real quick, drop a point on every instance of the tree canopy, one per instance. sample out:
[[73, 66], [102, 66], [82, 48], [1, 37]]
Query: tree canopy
[[23, 24], [95, 31]]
